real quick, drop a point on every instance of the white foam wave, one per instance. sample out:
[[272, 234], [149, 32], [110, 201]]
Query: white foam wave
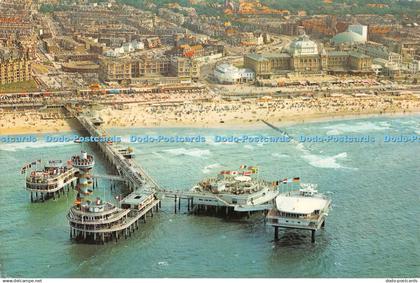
[[195, 152], [157, 154], [279, 155], [325, 161], [208, 168], [333, 132], [322, 161], [359, 127]]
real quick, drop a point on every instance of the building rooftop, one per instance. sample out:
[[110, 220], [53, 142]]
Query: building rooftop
[[303, 46], [300, 204], [337, 53], [277, 55], [347, 37], [358, 55], [257, 57]]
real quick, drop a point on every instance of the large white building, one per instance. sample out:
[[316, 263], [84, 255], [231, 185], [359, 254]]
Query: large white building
[[355, 34], [229, 74], [303, 46], [359, 29]]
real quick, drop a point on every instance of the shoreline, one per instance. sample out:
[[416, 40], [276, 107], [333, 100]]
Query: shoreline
[[70, 125]]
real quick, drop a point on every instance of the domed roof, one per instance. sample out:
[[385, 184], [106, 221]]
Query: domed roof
[[347, 37], [303, 46]]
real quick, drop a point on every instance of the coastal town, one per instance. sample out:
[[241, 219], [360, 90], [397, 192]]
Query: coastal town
[[204, 63]]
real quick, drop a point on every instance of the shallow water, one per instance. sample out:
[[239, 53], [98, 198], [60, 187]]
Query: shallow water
[[372, 230]]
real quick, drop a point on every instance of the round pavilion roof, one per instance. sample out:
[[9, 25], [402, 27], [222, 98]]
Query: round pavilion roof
[[347, 37]]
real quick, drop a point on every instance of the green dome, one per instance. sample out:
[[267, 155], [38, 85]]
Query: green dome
[[347, 37]]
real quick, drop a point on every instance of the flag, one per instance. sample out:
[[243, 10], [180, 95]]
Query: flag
[[254, 170], [275, 183], [242, 167], [296, 179], [247, 173], [285, 181]]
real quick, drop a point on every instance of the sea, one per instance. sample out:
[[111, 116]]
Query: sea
[[372, 229]]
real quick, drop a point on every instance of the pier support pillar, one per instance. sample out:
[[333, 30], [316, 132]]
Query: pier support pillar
[[313, 236], [175, 203], [179, 204], [323, 224], [32, 197], [276, 233]]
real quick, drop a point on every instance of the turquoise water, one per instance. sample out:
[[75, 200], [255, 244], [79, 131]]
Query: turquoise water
[[372, 230]]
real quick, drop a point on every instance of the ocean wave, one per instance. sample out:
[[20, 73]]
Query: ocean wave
[[208, 168], [322, 161], [325, 161], [359, 127], [28, 145], [279, 155], [194, 152]]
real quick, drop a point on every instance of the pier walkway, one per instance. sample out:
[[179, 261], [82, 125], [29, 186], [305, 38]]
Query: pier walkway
[[130, 172]]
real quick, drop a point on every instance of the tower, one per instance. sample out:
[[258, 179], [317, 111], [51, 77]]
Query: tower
[[84, 162]]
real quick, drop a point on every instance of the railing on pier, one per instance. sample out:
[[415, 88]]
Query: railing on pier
[[128, 169]]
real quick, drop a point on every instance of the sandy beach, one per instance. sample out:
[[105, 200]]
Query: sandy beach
[[218, 113]]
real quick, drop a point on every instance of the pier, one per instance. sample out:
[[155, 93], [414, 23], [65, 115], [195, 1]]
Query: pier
[[50, 181], [102, 221]]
